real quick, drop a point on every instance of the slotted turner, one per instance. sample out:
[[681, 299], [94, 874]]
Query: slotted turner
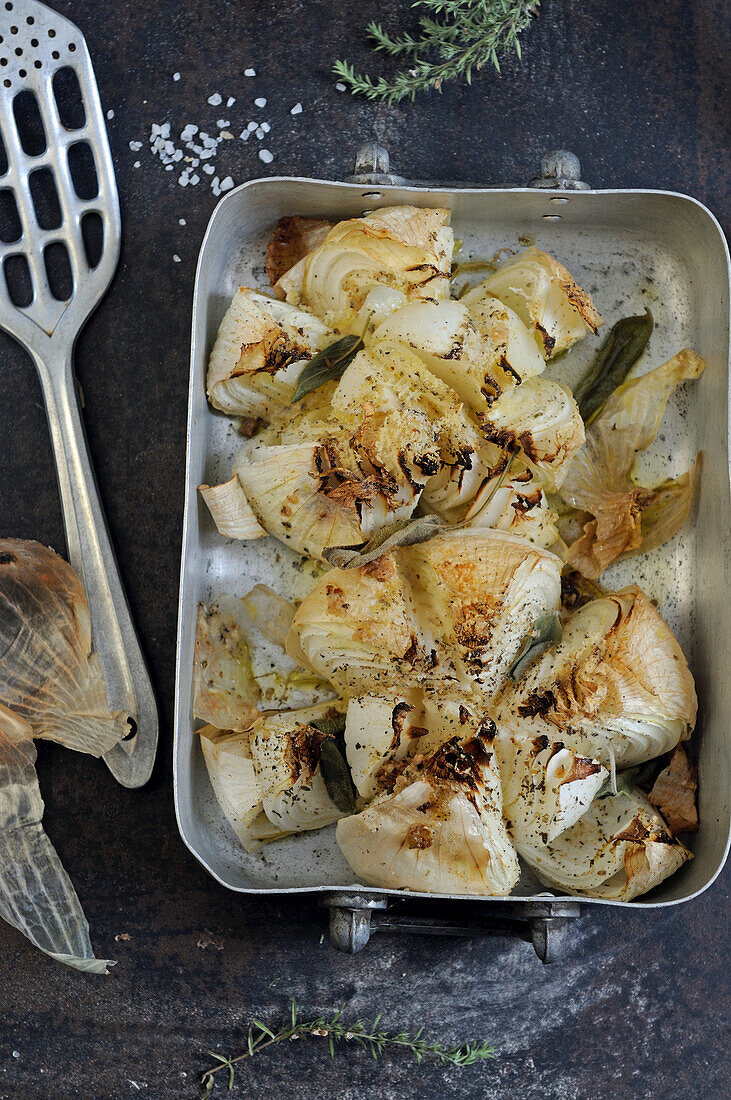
[[35, 43]]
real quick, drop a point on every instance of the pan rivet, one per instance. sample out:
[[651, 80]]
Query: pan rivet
[[51, 33], [72, 46]]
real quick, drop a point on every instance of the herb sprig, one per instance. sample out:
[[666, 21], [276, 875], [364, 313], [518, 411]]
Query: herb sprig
[[456, 38], [367, 1036]]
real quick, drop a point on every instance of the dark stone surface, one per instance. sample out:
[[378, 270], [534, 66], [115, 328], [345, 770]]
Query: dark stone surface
[[640, 1009]]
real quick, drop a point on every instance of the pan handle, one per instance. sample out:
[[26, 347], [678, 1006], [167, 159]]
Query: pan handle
[[560, 171], [355, 917]]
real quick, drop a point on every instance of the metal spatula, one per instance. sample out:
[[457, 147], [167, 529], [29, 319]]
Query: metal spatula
[[42, 58]]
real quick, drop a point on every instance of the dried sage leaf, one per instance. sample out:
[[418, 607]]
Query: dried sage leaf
[[620, 351], [336, 777], [546, 632], [332, 727], [627, 780], [328, 364], [403, 532]]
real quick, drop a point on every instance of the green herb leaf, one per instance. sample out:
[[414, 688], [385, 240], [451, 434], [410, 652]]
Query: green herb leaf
[[333, 727], [627, 780], [459, 37], [403, 532], [336, 776], [546, 632], [620, 351], [328, 364]]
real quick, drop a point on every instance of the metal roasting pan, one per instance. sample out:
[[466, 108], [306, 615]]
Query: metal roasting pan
[[629, 248]]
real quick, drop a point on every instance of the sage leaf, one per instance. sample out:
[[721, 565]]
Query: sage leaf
[[627, 780], [336, 777], [620, 351], [332, 727], [546, 632], [403, 532], [328, 364]]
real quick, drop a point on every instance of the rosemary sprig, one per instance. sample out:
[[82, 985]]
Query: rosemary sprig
[[367, 1036], [456, 38]]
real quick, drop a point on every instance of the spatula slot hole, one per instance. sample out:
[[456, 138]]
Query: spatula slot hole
[[11, 229], [18, 281], [69, 101], [45, 198], [83, 170], [29, 124], [58, 270], [92, 232]]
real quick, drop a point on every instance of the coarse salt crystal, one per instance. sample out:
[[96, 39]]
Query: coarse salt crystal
[[182, 221], [251, 127], [227, 184], [189, 132], [244, 135], [259, 133], [183, 181], [265, 127], [168, 167], [208, 169], [339, 87], [297, 109], [110, 114], [176, 258], [135, 145], [266, 156], [223, 123], [260, 102], [249, 72], [137, 164], [176, 76], [195, 178], [215, 100], [230, 101]]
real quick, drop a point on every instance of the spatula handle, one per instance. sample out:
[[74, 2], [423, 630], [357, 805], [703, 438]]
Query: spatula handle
[[90, 553]]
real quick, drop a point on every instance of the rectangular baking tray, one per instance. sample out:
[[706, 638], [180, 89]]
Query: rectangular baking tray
[[630, 249]]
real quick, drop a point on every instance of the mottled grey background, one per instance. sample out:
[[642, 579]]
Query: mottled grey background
[[640, 1009]]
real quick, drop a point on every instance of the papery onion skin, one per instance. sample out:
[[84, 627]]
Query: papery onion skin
[[48, 673], [36, 894]]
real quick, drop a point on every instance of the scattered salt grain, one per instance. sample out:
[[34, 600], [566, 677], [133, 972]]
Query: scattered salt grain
[[223, 123], [168, 167], [176, 258], [265, 127], [260, 102], [297, 109], [251, 127], [259, 133], [182, 221], [135, 146], [176, 76], [189, 132], [266, 156], [137, 164], [110, 114], [215, 100], [16, 1054], [249, 72], [230, 101], [227, 184], [208, 169], [339, 87]]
